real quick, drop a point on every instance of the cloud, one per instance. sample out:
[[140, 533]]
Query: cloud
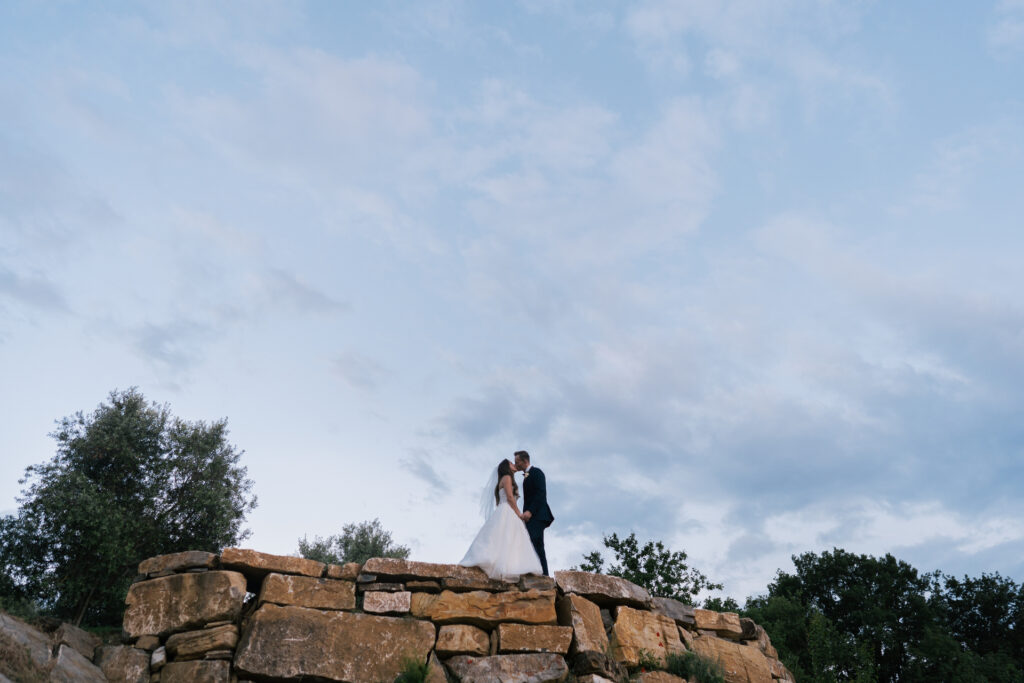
[[1006, 33], [33, 291], [419, 465], [358, 370], [284, 289]]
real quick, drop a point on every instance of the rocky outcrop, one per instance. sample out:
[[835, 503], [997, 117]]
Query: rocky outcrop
[[245, 615]]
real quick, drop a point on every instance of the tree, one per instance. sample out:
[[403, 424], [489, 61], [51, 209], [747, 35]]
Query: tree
[[661, 571], [129, 481], [357, 542]]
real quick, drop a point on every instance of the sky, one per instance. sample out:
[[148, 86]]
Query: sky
[[741, 276]]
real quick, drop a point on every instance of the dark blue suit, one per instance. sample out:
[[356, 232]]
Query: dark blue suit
[[535, 501]]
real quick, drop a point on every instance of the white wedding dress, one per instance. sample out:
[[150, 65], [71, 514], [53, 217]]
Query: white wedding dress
[[502, 547]]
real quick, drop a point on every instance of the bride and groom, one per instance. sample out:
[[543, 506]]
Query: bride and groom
[[511, 543]]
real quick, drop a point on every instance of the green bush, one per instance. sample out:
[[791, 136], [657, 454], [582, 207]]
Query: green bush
[[413, 671], [694, 668]]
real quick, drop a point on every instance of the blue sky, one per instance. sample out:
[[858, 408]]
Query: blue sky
[[742, 276]]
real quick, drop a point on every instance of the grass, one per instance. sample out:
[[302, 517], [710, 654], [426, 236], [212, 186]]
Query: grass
[[17, 665], [695, 668], [413, 671]]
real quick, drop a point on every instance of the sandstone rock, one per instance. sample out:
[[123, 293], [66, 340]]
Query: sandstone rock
[[536, 582], [380, 586], [593, 678], [219, 654], [196, 672], [435, 670], [378, 602], [83, 641], [122, 664], [423, 586], [686, 637], [346, 572], [749, 629], [486, 609], [679, 612], [637, 630], [158, 659], [462, 639], [180, 602], [148, 643], [177, 562], [295, 643], [516, 638], [195, 644], [531, 668], [19, 633], [393, 568], [603, 590], [69, 666], [764, 643], [598, 663], [657, 677], [741, 663], [305, 591], [477, 583], [256, 565], [585, 619], [725, 624], [607, 620]]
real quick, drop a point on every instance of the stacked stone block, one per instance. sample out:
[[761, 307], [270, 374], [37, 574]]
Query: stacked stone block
[[249, 616]]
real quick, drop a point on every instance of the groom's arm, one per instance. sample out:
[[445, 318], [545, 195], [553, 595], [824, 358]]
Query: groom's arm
[[539, 495]]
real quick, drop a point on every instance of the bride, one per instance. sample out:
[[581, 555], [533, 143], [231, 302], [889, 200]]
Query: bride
[[502, 547]]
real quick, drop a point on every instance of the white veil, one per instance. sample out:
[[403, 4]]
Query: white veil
[[487, 503]]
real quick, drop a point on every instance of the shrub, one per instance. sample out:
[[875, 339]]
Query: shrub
[[694, 668]]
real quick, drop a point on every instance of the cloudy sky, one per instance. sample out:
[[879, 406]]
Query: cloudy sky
[[742, 276]]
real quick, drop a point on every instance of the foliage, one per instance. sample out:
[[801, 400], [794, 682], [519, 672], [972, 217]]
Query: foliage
[[694, 668], [646, 661], [129, 481], [413, 671], [846, 617], [661, 571], [722, 604], [357, 542]]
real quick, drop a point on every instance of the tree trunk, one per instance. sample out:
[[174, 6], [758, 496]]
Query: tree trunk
[[83, 605]]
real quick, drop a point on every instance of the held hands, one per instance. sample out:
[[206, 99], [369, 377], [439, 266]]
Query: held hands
[[526, 516]]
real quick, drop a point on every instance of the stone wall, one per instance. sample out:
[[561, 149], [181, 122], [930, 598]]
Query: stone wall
[[250, 616]]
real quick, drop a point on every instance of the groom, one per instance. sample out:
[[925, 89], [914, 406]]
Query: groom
[[535, 505]]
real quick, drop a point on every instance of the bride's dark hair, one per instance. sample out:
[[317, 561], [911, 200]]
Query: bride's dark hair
[[504, 467]]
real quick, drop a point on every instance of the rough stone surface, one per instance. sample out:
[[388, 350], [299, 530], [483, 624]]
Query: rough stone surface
[[83, 641], [149, 643], [426, 586], [379, 602], [637, 630], [456, 583], [657, 677], [196, 672], [177, 562], [679, 612], [462, 639], [515, 638], [749, 629], [35, 643], [305, 591], [69, 666], [195, 644], [393, 568], [593, 678], [725, 624], [686, 637], [380, 586], [121, 664], [346, 572], [604, 590], [256, 565], [158, 659], [531, 668], [182, 601], [536, 582], [435, 670], [481, 608], [292, 643], [741, 663], [598, 663], [585, 619]]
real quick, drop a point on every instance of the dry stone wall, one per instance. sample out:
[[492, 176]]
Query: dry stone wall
[[251, 616]]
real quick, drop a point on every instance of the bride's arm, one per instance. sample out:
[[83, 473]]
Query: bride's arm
[[506, 483]]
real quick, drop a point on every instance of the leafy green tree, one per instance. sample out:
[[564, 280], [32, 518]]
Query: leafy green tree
[[661, 571], [357, 542], [129, 481]]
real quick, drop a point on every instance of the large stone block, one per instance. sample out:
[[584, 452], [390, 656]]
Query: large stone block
[[83, 641], [305, 591], [657, 677], [603, 590], [296, 643], [741, 663], [195, 644], [435, 670], [346, 572], [725, 624], [637, 630], [380, 602], [69, 666], [598, 663], [585, 619], [462, 639], [679, 612], [256, 565], [454, 577], [196, 672], [176, 562], [485, 609], [181, 602], [515, 638], [18, 633], [530, 668], [121, 664]]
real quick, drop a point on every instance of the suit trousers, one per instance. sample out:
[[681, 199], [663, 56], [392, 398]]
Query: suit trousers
[[536, 531]]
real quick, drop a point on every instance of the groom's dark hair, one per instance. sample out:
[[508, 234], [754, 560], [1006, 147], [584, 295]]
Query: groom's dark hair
[[522, 454]]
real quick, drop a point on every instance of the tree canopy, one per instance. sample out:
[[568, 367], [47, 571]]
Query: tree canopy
[[661, 571], [128, 481], [357, 542]]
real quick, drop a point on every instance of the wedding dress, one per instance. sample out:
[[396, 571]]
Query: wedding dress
[[502, 547]]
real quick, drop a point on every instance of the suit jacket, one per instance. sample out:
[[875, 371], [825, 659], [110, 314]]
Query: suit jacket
[[535, 497]]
